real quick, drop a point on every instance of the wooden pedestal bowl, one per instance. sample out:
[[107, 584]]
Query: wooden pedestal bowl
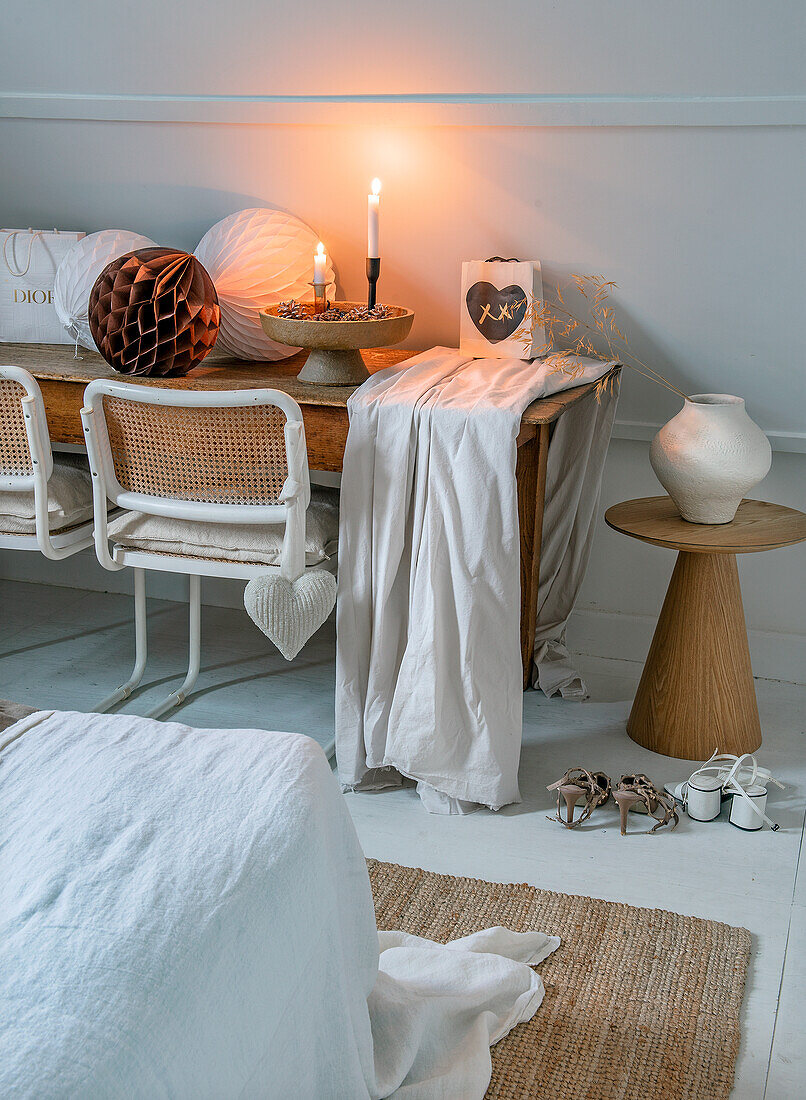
[[335, 358]]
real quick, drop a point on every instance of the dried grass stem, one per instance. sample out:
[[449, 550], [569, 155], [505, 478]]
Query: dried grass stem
[[561, 324]]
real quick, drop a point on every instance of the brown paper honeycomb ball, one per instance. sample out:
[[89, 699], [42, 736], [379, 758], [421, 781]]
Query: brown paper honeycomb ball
[[154, 311]]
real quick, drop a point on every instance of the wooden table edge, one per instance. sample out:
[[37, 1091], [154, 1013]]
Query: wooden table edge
[[690, 548], [697, 548], [544, 410]]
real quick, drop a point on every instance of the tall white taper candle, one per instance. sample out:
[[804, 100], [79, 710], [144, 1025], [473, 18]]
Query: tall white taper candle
[[373, 208]]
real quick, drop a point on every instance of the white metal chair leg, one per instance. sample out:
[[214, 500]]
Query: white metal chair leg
[[194, 655], [140, 647]]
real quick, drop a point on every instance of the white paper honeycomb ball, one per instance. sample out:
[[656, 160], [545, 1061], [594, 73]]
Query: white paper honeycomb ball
[[257, 258], [81, 266]]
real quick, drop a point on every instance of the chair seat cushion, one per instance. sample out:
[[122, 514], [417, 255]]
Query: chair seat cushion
[[257, 543], [69, 499]]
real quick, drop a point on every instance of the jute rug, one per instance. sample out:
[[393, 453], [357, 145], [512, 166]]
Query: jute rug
[[640, 1004]]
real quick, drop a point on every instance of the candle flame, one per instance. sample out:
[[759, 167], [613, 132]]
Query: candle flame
[[320, 249], [376, 186]]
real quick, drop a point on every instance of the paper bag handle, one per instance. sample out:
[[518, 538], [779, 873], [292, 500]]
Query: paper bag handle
[[31, 238]]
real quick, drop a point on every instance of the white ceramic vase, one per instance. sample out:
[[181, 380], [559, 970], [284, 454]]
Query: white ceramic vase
[[709, 455]]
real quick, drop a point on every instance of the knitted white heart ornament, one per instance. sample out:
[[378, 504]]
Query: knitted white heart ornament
[[289, 612]]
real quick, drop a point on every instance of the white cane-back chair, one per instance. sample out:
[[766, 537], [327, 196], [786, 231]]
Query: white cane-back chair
[[30, 517], [212, 458]]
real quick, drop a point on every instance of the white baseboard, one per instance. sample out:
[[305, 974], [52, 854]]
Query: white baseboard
[[775, 656]]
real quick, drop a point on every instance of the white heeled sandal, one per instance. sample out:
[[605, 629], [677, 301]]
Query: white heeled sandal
[[726, 776]]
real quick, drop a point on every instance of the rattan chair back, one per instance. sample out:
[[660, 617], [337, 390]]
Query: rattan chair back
[[26, 463], [210, 455], [26, 456], [15, 452]]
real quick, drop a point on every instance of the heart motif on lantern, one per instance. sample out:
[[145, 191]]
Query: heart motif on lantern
[[289, 612], [496, 313]]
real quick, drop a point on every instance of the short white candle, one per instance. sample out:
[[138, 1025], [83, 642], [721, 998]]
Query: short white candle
[[373, 208], [320, 265]]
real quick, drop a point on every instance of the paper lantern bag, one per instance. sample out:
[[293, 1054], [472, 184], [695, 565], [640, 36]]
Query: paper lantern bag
[[500, 299], [28, 262]]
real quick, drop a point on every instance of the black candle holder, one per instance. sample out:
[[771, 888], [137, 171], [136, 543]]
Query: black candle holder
[[373, 271]]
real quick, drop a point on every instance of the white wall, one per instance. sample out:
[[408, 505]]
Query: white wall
[[659, 143]]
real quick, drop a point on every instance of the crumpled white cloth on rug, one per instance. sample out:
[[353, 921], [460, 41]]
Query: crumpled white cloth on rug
[[187, 913], [428, 1001], [428, 663]]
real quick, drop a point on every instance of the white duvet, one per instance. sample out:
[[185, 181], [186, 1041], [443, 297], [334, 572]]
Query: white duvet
[[187, 913]]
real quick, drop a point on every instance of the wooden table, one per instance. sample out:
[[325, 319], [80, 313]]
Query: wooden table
[[696, 693], [62, 379]]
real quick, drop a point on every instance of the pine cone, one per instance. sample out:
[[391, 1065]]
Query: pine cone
[[154, 311]]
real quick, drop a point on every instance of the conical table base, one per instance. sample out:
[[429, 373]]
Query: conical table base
[[696, 693], [334, 368]]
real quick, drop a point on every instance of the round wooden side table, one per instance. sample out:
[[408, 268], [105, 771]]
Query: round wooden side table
[[696, 692]]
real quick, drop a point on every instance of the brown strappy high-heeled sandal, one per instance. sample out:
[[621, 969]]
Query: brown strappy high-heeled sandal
[[633, 790], [578, 783]]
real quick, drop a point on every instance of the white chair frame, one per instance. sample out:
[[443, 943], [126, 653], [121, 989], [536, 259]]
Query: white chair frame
[[290, 511], [58, 545]]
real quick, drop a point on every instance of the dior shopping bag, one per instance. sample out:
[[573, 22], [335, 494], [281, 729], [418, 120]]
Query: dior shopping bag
[[501, 302], [28, 262]]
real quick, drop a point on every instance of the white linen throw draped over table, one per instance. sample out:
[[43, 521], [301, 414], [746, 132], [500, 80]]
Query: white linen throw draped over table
[[428, 662]]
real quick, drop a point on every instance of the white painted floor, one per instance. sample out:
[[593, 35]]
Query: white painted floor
[[67, 648]]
